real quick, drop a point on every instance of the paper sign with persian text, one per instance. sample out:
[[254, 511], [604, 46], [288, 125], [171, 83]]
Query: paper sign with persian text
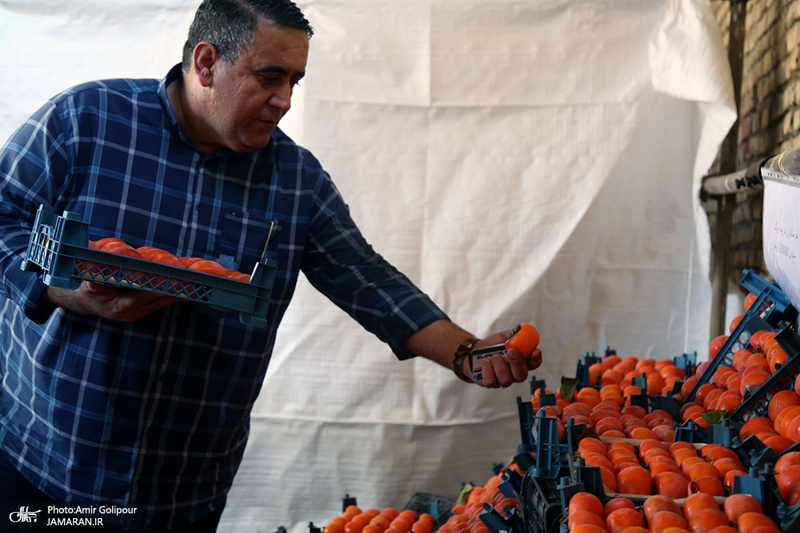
[[782, 231]]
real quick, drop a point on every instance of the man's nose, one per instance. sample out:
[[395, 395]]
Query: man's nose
[[282, 98]]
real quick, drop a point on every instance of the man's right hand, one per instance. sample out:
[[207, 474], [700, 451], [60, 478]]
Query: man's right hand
[[109, 302]]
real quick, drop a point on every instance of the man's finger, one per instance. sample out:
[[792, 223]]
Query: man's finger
[[534, 360], [502, 371], [489, 379], [517, 364]]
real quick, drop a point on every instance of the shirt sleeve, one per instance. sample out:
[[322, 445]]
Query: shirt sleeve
[[340, 263], [29, 162]]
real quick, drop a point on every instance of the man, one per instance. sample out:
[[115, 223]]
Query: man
[[133, 398]]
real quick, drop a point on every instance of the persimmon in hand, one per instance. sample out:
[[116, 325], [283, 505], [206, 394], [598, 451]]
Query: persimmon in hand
[[524, 338]]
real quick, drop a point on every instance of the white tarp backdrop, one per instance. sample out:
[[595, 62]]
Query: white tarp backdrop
[[521, 160]]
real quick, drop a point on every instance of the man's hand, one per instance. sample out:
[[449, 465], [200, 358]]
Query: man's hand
[[497, 372], [439, 340], [109, 302]]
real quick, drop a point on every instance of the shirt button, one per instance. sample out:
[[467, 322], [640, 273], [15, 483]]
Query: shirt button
[[199, 207]]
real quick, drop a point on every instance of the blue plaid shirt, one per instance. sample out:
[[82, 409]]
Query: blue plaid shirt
[[155, 414]]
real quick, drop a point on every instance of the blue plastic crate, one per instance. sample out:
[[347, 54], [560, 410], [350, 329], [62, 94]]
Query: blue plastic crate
[[788, 517], [59, 248], [756, 403], [552, 456], [771, 309]]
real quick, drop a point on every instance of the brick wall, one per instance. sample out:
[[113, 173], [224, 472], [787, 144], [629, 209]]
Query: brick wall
[[769, 111]]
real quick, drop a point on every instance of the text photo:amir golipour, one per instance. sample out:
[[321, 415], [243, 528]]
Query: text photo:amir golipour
[[21, 517]]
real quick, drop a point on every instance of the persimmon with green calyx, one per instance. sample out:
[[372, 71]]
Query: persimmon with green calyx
[[525, 338]]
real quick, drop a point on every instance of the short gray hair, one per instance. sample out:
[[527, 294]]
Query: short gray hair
[[230, 25]]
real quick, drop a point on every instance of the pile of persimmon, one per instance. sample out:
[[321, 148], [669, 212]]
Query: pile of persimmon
[[780, 428], [728, 384], [606, 405], [611, 414], [354, 520], [750, 367], [787, 477], [660, 375], [654, 467], [700, 513], [149, 253], [465, 517]]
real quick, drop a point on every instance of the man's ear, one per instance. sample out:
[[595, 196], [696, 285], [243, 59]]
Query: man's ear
[[203, 59]]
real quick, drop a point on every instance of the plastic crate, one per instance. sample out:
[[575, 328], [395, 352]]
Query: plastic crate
[[756, 403], [540, 503], [435, 504], [754, 453], [59, 248], [496, 522], [551, 455], [525, 414], [770, 310], [788, 518], [759, 482], [583, 364], [687, 362]]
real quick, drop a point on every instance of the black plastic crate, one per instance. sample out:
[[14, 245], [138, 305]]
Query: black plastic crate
[[59, 248], [540, 503], [435, 504], [788, 518], [771, 310], [756, 403]]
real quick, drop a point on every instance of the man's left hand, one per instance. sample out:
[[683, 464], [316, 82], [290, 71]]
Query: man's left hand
[[499, 372]]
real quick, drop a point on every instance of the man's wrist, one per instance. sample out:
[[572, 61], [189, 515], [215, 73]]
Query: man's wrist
[[463, 352]]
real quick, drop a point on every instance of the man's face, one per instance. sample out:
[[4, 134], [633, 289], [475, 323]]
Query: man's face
[[252, 95]]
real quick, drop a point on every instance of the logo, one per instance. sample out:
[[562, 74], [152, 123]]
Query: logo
[[23, 515]]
